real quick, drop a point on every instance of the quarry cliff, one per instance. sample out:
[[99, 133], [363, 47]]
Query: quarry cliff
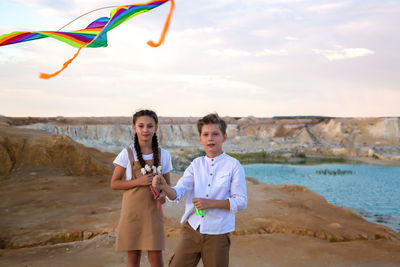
[[375, 138]]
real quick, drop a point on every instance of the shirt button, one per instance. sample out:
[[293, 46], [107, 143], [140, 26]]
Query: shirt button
[[212, 159], [212, 164], [206, 195], [202, 216], [210, 174], [209, 185]]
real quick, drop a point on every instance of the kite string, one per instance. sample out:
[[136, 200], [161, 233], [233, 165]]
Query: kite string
[[94, 10]]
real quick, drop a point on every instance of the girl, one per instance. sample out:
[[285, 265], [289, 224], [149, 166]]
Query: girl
[[141, 225]]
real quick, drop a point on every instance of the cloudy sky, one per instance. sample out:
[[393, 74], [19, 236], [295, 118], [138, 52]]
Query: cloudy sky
[[235, 57]]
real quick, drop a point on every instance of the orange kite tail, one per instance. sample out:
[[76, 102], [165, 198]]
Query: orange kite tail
[[166, 26], [65, 65], [150, 43]]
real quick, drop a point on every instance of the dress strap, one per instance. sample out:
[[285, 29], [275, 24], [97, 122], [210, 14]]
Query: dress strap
[[132, 161], [131, 158]]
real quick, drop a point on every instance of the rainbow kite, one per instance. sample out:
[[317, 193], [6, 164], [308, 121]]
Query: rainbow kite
[[94, 35]]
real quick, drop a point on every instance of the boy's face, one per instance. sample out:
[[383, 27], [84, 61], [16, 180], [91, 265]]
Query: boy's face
[[211, 138]]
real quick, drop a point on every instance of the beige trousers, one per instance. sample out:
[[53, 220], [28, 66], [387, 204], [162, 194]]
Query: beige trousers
[[212, 249]]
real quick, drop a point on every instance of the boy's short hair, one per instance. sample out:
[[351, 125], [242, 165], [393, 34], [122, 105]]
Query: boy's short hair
[[212, 118]]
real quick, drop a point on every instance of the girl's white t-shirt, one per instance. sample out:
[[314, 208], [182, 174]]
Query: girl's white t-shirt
[[123, 160]]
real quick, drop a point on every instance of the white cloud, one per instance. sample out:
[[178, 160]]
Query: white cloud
[[359, 26], [268, 52], [290, 38], [200, 31], [343, 53], [327, 7], [50, 12], [228, 52], [13, 54], [265, 33], [243, 53], [205, 37]]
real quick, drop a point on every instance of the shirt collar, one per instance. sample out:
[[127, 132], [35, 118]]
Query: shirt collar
[[218, 158]]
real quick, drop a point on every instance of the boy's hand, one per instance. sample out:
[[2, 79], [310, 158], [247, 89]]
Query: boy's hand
[[159, 181], [145, 179], [205, 203], [201, 203]]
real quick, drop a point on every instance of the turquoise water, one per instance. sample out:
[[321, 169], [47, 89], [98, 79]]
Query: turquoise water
[[372, 191]]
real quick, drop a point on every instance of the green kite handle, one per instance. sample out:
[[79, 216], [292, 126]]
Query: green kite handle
[[199, 212]]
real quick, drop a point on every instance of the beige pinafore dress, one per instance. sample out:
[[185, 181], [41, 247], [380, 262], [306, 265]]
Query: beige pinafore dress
[[141, 223]]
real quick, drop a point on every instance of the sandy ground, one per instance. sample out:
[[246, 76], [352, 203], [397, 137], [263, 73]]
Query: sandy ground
[[48, 218], [252, 250], [52, 210]]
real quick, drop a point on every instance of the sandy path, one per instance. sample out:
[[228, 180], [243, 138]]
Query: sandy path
[[251, 250]]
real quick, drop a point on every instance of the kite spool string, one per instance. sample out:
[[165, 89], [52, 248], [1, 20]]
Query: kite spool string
[[87, 13]]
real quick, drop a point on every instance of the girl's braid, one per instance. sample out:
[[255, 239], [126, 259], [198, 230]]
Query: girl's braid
[[139, 151], [156, 157]]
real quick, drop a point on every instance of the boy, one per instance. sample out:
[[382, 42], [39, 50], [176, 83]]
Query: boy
[[217, 189]]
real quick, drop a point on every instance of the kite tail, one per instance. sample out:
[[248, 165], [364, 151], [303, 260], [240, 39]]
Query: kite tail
[[166, 26], [65, 65]]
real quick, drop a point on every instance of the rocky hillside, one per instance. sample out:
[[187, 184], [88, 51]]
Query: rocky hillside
[[377, 138], [30, 151]]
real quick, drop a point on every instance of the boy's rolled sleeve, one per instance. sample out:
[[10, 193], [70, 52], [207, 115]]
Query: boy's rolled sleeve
[[238, 199], [185, 184], [180, 193]]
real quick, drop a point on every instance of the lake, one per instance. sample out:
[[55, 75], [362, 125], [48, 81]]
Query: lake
[[372, 191]]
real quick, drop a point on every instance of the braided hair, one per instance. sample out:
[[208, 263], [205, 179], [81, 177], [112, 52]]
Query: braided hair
[[154, 142]]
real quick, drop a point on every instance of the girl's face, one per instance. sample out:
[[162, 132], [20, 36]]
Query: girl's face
[[145, 127]]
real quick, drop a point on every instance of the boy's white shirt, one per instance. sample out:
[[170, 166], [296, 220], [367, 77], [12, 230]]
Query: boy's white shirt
[[217, 178], [123, 160]]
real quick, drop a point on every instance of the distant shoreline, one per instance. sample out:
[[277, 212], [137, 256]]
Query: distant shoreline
[[255, 158]]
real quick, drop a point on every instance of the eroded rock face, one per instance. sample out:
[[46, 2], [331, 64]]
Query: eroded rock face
[[358, 132], [24, 150], [6, 162], [364, 137]]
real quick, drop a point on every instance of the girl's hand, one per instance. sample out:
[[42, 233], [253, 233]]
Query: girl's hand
[[201, 203], [145, 179], [158, 181]]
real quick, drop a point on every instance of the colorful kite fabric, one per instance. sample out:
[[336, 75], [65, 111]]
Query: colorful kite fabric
[[95, 34]]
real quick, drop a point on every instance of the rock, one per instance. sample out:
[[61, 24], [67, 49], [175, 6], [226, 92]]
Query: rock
[[25, 150], [335, 225], [334, 137], [87, 235], [6, 162], [248, 120], [298, 210]]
